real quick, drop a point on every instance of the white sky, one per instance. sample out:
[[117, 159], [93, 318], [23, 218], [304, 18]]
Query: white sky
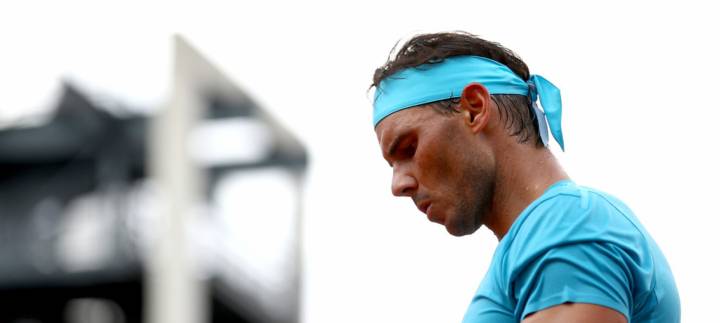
[[639, 82]]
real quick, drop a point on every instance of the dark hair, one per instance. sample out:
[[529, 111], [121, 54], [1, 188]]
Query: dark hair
[[516, 110]]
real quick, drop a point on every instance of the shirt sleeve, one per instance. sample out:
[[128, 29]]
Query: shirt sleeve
[[593, 272]]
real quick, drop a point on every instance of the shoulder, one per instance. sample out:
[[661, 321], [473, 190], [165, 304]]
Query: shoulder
[[580, 245], [568, 215]]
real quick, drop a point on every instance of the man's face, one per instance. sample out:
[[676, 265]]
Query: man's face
[[439, 163]]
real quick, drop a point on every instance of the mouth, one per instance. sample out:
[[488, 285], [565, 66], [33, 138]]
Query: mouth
[[424, 206]]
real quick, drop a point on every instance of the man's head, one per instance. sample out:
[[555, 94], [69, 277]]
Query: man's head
[[515, 110], [444, 153]]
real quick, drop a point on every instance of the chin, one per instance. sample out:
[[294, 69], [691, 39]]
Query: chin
[[459, 230], [463, 221]]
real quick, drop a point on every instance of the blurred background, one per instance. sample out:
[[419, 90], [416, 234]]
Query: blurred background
[[215, 161]]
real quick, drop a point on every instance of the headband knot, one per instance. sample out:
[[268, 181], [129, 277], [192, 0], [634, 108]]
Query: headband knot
[[532, 91]]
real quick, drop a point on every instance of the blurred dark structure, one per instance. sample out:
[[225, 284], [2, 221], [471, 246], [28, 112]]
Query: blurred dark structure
[[85, 150], [42, 170]]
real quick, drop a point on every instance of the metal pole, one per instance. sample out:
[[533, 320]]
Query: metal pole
[[174, 291]]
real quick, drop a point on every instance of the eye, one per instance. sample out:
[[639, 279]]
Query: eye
[[409, 148], [401, 148]]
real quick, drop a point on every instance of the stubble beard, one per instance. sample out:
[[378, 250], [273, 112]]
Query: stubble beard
[[473, 210]]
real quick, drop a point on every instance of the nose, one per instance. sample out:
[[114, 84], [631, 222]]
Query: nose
[[403, 183]]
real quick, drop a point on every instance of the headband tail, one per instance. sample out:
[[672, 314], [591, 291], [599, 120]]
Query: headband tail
[[542, 124], [551, 105]]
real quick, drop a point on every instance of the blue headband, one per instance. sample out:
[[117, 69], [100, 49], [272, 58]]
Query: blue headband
[[446, 80]]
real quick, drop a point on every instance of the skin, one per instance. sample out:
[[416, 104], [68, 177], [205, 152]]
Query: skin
[[465, 170]]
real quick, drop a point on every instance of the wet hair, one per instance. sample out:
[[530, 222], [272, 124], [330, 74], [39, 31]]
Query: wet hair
[[515, 110]]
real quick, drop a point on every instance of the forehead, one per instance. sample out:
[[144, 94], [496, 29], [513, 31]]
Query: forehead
[[400, 122]]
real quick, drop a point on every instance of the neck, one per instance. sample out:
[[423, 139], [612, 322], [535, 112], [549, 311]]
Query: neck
[[523, 173]]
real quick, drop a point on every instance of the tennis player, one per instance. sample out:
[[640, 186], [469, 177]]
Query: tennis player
[[465, 128]]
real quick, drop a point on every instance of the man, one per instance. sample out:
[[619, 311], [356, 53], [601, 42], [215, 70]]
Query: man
[[457, 120]]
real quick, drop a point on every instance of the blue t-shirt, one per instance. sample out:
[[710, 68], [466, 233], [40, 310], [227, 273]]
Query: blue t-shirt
[[575, 244]]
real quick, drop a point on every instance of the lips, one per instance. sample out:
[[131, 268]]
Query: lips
[[423, 206]]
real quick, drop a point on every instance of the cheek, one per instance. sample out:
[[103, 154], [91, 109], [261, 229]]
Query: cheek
[[439, 160], [438, 167]]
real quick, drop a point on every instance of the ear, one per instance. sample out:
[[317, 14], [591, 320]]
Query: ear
[[475, 106]]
